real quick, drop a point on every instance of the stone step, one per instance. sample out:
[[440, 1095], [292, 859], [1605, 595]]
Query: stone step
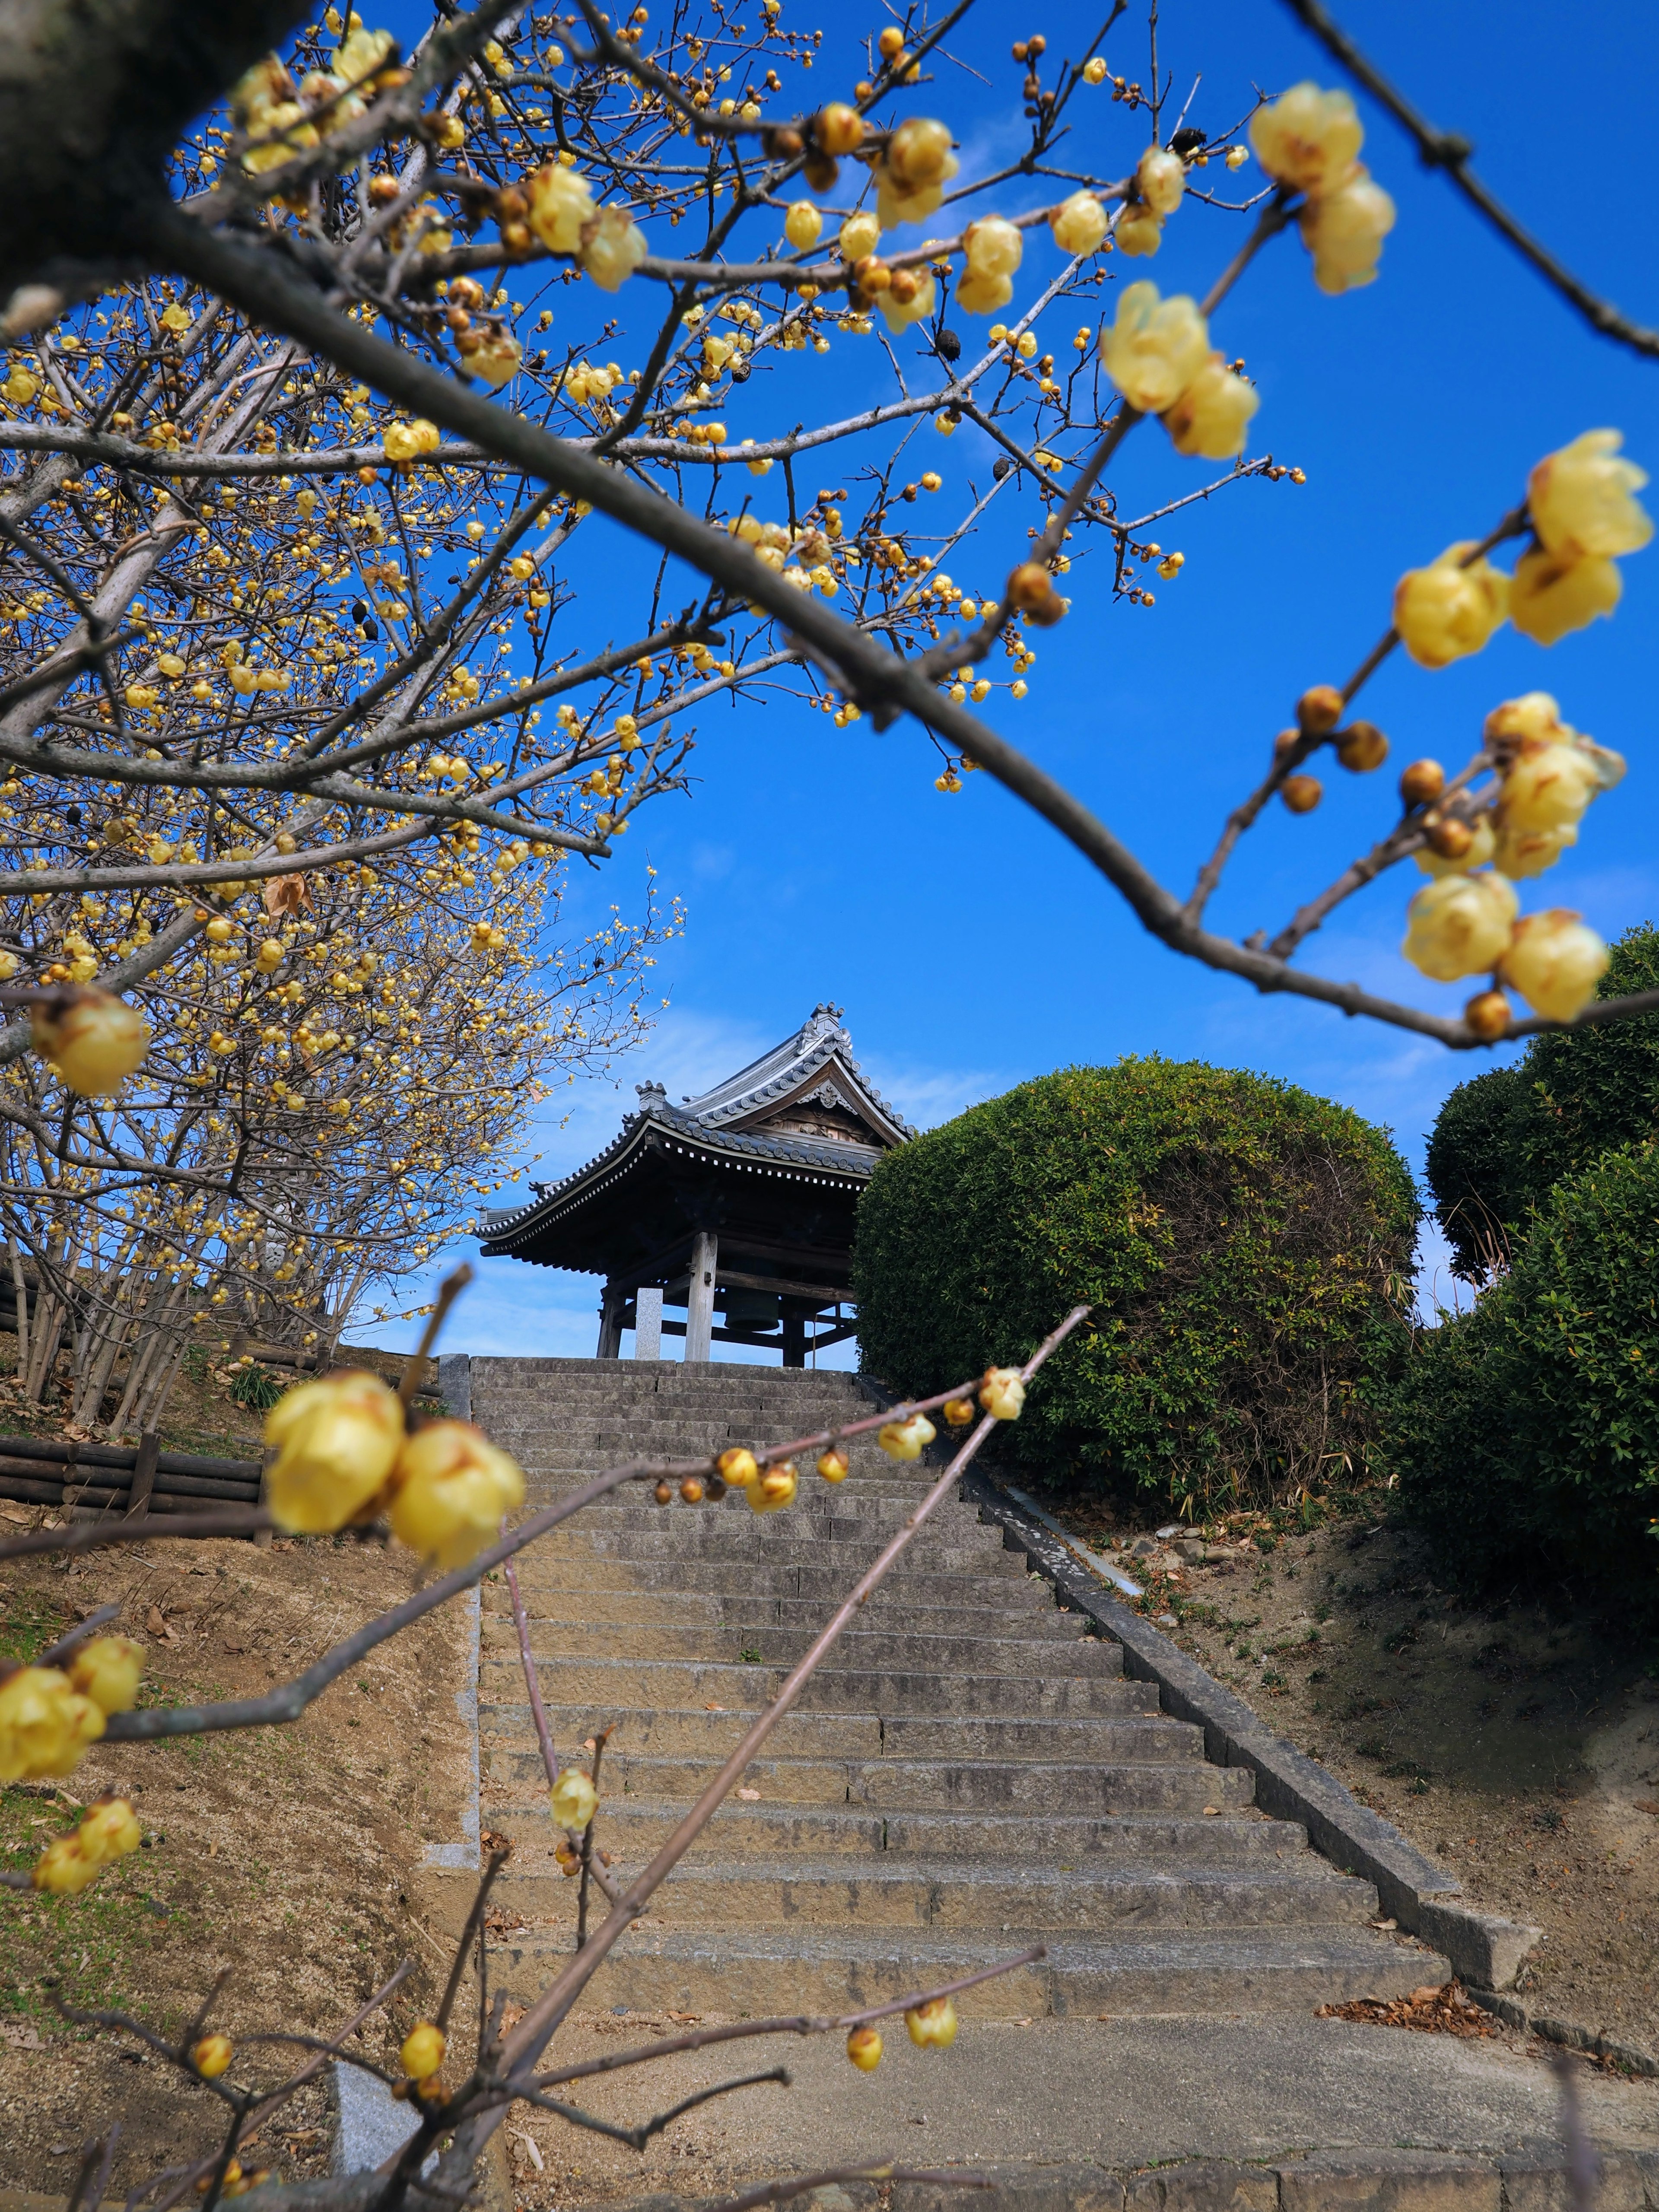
[[561, 1612], [1138, 1751], [844, 1547], [633, 1827], [671, 1579], [714, 1734], [1069, 1652], [818, 1503], [824, 1969], [944, 1896], [609, 1687]]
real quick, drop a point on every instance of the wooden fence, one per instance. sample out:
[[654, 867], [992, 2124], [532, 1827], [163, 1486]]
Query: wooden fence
[[82, 1479]]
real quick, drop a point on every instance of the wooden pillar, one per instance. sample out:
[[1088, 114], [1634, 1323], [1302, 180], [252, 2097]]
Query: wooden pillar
[[647, 1325], [610, 1312], [794, 1337], [700, 1296]]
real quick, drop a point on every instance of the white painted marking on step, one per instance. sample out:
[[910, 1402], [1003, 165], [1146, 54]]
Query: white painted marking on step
[[1101, 1564]]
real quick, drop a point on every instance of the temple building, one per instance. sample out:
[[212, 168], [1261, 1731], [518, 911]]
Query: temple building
[[737, 1207]]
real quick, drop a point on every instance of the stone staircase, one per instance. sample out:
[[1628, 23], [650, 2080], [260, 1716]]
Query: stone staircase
[[967, 1775]]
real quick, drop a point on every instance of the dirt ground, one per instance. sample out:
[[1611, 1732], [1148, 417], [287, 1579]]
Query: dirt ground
[[1518, 1742], [285, 1858]]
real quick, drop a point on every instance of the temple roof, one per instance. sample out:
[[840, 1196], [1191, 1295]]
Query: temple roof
[[802, 1113]]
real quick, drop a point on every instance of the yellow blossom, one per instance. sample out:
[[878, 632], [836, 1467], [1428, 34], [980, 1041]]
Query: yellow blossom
[[94, 1039], [906, 1439], [613, 247], [1555, 962], [1460, 925], [1345, 232], [573, 1799], [1079, 224], [1546, 786], [911, 303], [803, 225], [1002, 1393], [1309, 139], [1446, 610], [108, 1669], [45, 1724], [863, 2048], [561, 202], [451, 1489], [337, 1441], [1212, 414], [1580, 499], [1161, 178], [1140, 233], [1155, 347], [1549, 595], [933, 2023], [422, 2051]]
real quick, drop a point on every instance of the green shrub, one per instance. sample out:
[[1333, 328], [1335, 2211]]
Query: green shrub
[[1504, 1138], [1246, 1247], [1524, 1435]]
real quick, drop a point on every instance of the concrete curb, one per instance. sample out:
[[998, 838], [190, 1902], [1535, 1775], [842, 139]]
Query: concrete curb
[[1568, 2033], [1423, 1897], [1380, 2180]]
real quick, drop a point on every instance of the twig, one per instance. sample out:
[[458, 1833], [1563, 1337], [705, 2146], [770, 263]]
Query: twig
[[1448, 151], [448, 1290]]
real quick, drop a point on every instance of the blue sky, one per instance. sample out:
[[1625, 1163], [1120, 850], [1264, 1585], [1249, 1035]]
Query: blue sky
[[970, 947]]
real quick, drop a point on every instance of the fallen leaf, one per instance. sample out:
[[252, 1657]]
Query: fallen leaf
[[1648, 1805], [535, 2158], [10, 1512], [686, 2019], [158, 1627], [749, 1796]]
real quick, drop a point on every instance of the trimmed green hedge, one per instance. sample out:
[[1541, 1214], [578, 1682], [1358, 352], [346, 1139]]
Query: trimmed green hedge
[[1247, 1248], [1504, 1138], [1525, 1434]]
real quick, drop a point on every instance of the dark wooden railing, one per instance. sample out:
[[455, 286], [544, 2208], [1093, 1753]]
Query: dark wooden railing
[[119, 1478]]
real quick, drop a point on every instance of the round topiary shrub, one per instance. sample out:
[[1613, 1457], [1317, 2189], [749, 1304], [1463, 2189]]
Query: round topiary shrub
[[1247, 1249], [1524, 1435]]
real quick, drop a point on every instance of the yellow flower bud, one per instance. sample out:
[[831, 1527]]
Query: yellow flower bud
[[983, 296], [63, 1869], [423, 2049], [863, 2048], [906, 1439], [1487, 1015], [858, 237], [1345, 233], [1555, 962], [1460, 925], [832, 1464], [917, 153], [957, 1412], [108, 1669], [934, 2023], [1522, 853], [1212, 414], [109, 1830], [1308, 139], [775, 1488], [906, 302], [1161, 177], [1550, 595], [838, 128], [338, 1440], [494, 359], [613, 249], [452, 1487], [269, 957], [1079, 224], [95, 1039], [737, 1466], [1443, 612], [1155, 347], [212, 2056], [1140, 233], [573, 1799], [994, 247], [561, 202], [1580, 499], [1547, 786], [803, 225], [1002, 1393]]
